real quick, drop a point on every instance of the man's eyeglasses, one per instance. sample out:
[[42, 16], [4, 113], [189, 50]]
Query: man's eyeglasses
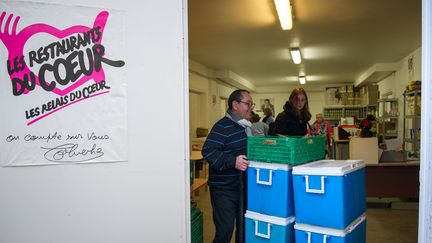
[[250, 104]]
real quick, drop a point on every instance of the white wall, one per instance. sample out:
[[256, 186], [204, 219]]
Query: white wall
[[397, 82], [142, 200]]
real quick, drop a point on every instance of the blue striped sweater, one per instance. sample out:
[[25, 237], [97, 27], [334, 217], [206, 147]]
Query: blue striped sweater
[[224, 143]]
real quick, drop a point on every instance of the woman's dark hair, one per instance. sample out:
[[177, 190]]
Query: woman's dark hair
[[267, 112], [255, 117], [236, 95], [303, 113]]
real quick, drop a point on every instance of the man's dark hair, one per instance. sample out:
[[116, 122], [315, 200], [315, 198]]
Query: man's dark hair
[[236, 95]]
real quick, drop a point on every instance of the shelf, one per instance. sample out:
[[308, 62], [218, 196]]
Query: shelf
[[388, 100], [388, 117], [388, 134], [412, 93], [412, 123], [335, 113], [412, 116], [387, 121]]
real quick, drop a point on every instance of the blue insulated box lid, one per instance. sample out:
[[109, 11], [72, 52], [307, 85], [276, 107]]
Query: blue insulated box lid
[[269, 219], [328, 167], [271, 166], [331, 231]]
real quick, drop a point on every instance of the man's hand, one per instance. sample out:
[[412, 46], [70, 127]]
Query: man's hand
[[241, 162]]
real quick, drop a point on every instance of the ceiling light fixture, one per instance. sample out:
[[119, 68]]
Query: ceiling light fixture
[[283, 8], [295, 55], [302, 79]]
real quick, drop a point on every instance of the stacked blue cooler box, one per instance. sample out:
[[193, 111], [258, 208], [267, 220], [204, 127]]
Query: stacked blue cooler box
[[330, 201], [269, 217]]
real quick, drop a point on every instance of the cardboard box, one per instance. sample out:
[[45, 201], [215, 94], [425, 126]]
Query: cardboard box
[[369, 95], [365, 149], [387, 127], [413, 106]]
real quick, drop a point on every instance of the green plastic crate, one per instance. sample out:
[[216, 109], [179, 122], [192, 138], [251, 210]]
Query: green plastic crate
[[289, 150], [192, 171], [197, 223]]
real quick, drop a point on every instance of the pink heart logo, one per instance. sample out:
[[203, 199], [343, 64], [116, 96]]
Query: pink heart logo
[[15, 44]]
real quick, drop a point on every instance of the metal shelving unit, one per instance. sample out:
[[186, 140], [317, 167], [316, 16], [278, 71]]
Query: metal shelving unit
[[412, 124], [387, 119], [335, 113]]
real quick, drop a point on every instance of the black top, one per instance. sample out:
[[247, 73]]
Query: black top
[[288, 124], [224, 143]]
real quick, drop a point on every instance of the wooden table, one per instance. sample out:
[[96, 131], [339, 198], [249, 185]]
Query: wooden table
[[196, 156], [198, 183], [399, 179]]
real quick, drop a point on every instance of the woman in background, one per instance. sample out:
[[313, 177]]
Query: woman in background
[[293, 121], [321, 127], [258, 127], [268, 116]]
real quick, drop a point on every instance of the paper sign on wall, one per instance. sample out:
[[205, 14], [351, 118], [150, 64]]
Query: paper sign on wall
[[62, 87]]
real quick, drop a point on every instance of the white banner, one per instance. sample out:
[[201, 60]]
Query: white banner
[[62, 87]]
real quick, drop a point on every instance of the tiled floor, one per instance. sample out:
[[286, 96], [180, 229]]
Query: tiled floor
[[388, 220]]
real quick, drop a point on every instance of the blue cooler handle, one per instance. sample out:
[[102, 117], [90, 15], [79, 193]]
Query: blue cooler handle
[[267, 235], [259, 181], [318, 191], [309, 237]]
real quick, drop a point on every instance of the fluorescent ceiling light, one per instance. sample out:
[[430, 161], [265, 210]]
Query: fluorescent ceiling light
[[302, 79], [283, 8], [295, 55]]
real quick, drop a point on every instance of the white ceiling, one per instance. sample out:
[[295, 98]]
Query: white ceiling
[[339, 39]]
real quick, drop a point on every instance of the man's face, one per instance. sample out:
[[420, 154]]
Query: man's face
[[319, 118], [244, 107]]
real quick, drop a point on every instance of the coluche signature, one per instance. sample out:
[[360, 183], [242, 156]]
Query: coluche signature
[[71, 152]]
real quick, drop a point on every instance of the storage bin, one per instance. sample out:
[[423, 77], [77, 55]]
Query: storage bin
[[191, 171], [289, 150], [354, 233], [264, 228], [197, 223], [329, 193], [270, 189]]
